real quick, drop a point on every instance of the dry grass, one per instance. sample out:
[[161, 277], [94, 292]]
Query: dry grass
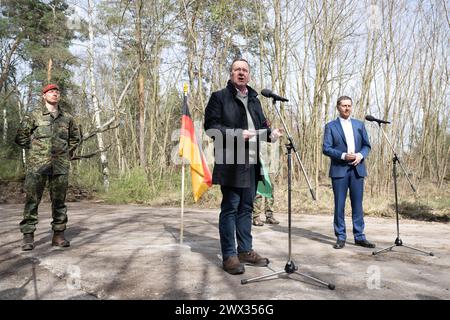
[[429, 203]]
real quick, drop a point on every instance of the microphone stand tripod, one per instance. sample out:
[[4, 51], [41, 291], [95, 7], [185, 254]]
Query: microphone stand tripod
[[290, 265], [398, 242]]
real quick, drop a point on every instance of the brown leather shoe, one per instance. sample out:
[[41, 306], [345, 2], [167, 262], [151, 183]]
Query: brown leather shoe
[[28, 242], [233, 266], [253, 259], [58, 239], [272, 220], [257, 222]]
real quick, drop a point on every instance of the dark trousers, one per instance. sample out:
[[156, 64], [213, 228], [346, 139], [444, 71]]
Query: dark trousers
[[353, 182], [34, 187], [235, 220]]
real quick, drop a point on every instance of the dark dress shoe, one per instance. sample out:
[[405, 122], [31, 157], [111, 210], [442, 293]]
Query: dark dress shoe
[[364, 243], [339, 244]]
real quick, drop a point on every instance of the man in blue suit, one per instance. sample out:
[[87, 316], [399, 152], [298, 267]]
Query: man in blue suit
[[347, 144]]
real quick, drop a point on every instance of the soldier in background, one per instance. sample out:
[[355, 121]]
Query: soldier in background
[[263, 205], [264, 200], [50, 137]]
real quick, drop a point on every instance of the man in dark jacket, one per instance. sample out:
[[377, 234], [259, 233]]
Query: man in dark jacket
[[50, 136], [235, 120]]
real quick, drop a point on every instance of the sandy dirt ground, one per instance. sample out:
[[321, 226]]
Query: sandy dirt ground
[[134, 252]]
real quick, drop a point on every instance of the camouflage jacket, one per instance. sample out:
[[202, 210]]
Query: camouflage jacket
[[50, 141]]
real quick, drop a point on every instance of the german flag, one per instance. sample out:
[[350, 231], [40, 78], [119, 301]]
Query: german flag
[[192, 151]]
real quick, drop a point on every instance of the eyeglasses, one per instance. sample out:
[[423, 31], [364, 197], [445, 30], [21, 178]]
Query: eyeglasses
[[240, 70]]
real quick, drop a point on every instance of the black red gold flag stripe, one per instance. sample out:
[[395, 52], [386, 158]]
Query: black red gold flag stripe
[[192, 151]]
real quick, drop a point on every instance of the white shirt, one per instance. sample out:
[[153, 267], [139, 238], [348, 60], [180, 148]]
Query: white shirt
[[349, 137]]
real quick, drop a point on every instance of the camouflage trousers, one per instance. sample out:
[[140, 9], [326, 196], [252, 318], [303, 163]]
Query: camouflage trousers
[[34, 188], [262, 204]]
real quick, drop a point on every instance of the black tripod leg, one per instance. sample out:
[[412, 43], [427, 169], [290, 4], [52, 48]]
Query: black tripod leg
[[329, 285], [382, 250], [395, 160], [428, 253], [245, 281]]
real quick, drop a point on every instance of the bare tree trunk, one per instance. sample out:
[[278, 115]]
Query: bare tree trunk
[[262, 49], [49, 70], [21, 110], [91, 53], [7, 63], [5, 124], [140, 84], [120, 158]]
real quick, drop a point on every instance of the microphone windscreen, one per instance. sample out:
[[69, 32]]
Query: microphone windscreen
[[266, 92]]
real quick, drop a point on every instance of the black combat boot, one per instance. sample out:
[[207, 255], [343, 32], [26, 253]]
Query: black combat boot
[[28, 242], [58, 239]]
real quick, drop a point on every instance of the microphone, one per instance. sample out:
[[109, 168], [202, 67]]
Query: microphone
[[269, 94], [370, 118]]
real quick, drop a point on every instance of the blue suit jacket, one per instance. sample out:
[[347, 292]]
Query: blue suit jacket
[[334, 144]]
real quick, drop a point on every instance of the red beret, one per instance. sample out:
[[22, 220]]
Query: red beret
[[49, 87]]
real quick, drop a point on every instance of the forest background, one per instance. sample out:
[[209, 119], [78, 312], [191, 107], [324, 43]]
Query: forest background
[[122, 65]]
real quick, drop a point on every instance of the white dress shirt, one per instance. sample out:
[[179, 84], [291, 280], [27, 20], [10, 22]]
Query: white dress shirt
[[349, 137]]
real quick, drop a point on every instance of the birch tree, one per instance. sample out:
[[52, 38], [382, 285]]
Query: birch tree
[[94, 96]]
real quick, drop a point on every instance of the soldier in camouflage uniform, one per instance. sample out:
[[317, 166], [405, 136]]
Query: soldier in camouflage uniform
[[260, 205], [264, 199], [49, 136]]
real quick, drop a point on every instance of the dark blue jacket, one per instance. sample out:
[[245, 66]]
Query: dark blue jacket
[[334, 144]]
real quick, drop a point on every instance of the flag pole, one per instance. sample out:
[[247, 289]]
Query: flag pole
[[182, 202], [185, 90]]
